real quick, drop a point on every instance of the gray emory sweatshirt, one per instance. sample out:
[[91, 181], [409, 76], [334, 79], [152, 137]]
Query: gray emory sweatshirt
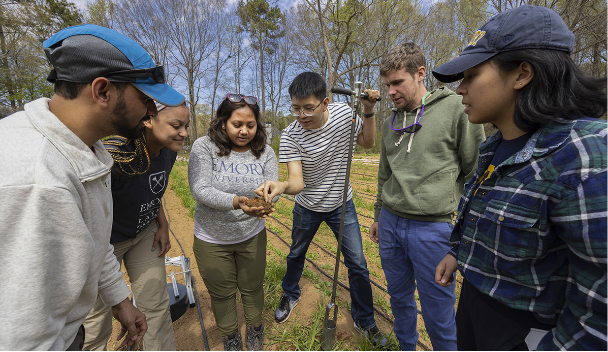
[[216, 180]]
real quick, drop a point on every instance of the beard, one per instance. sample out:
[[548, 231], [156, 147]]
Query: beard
[[120, 121]]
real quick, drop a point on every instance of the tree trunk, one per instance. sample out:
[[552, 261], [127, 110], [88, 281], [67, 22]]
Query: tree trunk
[[330, 66], [193, 118], [217, 72], [262, 79], [596, 66], [9, 82]]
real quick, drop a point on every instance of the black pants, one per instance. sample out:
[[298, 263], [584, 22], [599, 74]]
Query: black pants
[[78, 341], [483, 323]]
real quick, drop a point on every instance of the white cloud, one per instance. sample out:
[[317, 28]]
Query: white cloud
[[287, 4], [81, 4]]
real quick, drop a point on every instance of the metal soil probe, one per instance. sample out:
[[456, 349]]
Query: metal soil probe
[[329, 325]]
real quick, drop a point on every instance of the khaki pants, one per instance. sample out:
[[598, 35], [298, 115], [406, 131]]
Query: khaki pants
[[228, 267], [149, 286]]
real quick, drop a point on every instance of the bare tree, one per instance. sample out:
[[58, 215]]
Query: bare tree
[[278, 64], [181, 33]]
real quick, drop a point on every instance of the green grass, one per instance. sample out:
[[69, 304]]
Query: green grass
[[277, 251], [302, 336], [345, 305], [273, 277], [274, 228], [284, 207], [325, 288], [362, 203], [424, 334], [392, 344], [370, 249], [330, 247], [371, 190], [310, 275], [182, 190], [382, 302], [312, 255], [375, 274], [327, 267]]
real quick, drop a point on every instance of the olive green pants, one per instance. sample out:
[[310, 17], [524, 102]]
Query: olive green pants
[[226, 267]]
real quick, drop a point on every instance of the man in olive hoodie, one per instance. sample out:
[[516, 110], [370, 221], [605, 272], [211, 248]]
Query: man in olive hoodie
[[429, 150], [55, 192]]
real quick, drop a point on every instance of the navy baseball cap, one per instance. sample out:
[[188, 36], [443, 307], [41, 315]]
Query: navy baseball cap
[[524, 27], [82, 53]]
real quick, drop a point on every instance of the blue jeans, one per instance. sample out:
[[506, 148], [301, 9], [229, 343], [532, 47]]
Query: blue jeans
[[410, 251], [305, 225]]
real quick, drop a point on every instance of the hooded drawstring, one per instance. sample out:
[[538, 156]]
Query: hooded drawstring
[[409, 144]]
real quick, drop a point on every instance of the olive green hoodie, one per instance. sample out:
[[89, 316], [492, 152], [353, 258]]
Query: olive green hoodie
[[421, 176]]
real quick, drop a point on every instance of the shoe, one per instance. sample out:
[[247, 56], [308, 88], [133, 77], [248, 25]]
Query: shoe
[[254, 339], [373, 334], [285, 308], [234, 343]]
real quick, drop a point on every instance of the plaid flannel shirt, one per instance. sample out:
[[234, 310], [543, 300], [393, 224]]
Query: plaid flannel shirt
[[535, 236]]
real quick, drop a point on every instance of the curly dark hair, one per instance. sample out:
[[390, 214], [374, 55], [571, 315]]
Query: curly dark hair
[[220, 137]]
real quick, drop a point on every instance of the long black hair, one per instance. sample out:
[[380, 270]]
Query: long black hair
[[219, 136], [559, 89]]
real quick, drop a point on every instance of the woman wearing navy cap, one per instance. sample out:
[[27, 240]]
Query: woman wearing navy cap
[[530, 237]]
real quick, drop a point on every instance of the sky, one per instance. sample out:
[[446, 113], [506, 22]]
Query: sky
[[283, 4]]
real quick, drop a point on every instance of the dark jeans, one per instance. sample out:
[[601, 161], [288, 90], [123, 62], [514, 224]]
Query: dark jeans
[[305, 226]]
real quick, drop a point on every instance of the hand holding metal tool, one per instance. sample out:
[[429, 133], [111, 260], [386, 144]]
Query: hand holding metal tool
[[329, 325], [346, 91]]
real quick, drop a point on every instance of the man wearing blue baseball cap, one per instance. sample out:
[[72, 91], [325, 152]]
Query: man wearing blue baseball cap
[[55, 195]]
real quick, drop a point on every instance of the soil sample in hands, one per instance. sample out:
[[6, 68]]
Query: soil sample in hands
[[260, 202]]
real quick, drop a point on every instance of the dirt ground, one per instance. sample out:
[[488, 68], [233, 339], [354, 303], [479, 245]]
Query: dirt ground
[[187, 329]]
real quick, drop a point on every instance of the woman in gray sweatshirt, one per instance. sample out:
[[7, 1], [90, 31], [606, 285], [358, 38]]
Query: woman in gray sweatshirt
[[225, 168]]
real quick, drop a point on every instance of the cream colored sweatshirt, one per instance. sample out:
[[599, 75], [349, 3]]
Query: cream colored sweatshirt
[[55, 224]]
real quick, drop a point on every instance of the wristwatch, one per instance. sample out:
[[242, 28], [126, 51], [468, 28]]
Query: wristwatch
[[367, 116]]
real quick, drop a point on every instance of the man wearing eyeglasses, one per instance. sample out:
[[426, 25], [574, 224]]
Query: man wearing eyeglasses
[[315, 148], [429, 150], [55, 192]]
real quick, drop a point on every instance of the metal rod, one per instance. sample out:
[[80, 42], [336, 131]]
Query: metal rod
[[198, 306]]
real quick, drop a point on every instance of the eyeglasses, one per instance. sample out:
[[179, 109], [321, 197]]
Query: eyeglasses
[[237, 98], [156, 73], [413, 128], [305, 111]]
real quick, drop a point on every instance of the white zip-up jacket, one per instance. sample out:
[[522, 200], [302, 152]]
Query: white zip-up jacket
[[55, 225]]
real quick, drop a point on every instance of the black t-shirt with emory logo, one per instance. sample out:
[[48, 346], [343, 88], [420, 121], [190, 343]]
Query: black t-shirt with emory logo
[[137, 199]]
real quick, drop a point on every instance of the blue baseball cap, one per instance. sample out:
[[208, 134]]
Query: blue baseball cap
[[524, 27], [82, 53]]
